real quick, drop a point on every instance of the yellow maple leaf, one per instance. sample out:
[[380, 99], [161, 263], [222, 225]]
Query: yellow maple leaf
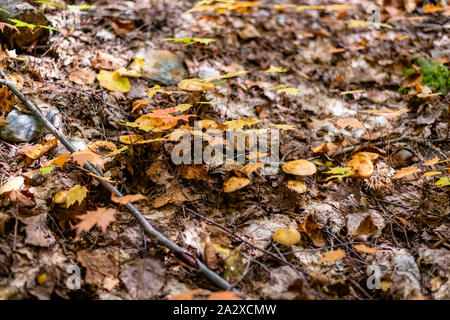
[[69, 197]]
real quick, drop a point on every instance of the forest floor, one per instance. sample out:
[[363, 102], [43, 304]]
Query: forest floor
[[384, 236]]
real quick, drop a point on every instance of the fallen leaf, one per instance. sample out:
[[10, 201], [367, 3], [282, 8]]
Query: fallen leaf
[[83, 76], [364, 249], [121, 26], [113, 81], [367, 227], [405, 172], [128, 198], [38, 150], [286, 236], [101, 217], [431, 162], [59, 161], [350, 123], [224, 295], [332, 256], [276, 69], [15, 183], [251, 167], [7, 99], [198, 172], [313, 231], [81, 157], [188, 295], [107, 61]]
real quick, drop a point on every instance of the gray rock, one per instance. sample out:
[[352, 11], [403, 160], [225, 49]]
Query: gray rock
[[23, 127], [162, 66]]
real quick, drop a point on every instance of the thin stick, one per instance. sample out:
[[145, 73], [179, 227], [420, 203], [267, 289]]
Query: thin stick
[[239, 238], [152, 232]]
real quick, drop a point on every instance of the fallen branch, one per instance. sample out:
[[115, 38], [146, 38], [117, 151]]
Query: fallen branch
[[180, 252], [212, 222]]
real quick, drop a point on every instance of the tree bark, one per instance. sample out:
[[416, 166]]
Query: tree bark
[[24, 38]]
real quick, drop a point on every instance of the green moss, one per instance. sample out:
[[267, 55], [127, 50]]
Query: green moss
[[435, 75]]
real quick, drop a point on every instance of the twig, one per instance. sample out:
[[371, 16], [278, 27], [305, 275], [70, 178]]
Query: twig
[[152, 232], [239, 238]]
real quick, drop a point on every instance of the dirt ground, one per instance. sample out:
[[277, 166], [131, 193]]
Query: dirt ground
[[377, 237]]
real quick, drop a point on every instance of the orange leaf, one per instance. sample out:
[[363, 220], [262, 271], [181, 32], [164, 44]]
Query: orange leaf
[[128, 198], [431, 162], [364, 249], [58, 161], [224, 295], [189, 295], [38, 150], [332, 256], [6, 99], [101, 217], [387, 113], [313, 231], [366, 227], [82, 157]]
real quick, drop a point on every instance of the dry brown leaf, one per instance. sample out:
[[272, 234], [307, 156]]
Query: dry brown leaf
[[198, 172], [15, 183], [313, 231], [82, 157], [350, 123], [332, 256], [107, 61], [122, 27], [128, 198], [83, 76], [364, 249], [367, 227], [101, 217], [251, 167]]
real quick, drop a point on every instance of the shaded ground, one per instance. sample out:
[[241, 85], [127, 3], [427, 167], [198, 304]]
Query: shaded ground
[[405, 219]]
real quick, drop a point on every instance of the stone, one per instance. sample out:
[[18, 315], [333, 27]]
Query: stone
[[162, 66], [23, 11], [23, 127]]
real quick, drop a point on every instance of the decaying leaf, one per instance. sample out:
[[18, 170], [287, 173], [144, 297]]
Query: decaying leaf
[[350, 123], [15, 183], [224, 295], [364, 249], [38, 150], [313, 231], [128, 198], [404, 172], [113, 81], [101, 217], [287, 236], [7, 99], [81, 157], [367, 227], [332, 256]]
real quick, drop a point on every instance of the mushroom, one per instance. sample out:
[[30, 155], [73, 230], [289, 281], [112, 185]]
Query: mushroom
[[286, 236], [235, 183], [300, 168]]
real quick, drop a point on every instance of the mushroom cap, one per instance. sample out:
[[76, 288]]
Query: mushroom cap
[[300, 168], [361, 165], [235, 183], [296, 186], [286, 236]]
